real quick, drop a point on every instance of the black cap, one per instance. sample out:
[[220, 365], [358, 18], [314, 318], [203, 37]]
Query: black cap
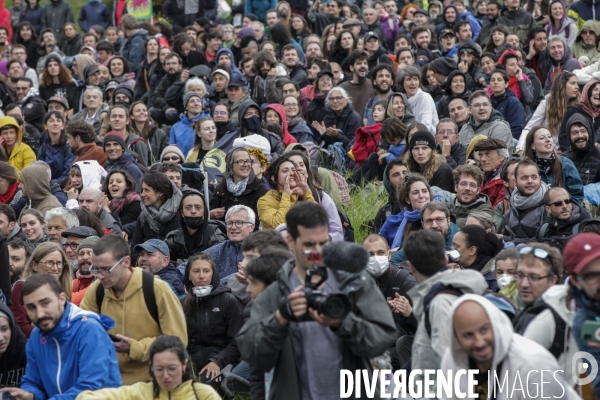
[[324, 72], [80, 232], [236, 82], [421, 11]]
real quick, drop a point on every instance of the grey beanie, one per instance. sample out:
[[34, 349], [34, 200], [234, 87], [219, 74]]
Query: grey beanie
[[88, 242], [188, 96]]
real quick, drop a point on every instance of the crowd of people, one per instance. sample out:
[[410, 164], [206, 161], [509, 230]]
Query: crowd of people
[[175, 197]]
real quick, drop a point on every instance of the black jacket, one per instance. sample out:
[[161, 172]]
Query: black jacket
[[587, 161], [193, 58], [443, 104], [159, 100], [299, 75], [381, 56], [14, 359], [557, 232], [208, 234], [142, 78], [563, 134], [398, 280], [73, 46], [255, 189], [346, 122]]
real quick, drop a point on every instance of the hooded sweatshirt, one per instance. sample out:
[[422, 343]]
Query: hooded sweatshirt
[[14, 359], [566, 63], [235, 71], [408, 113], [586, 160], [278, 108], [580, 49], [274, 140], [442, 106], [514, 357], [585, 108], [37, 189], [567, 29], [21, 155], [92, 175]]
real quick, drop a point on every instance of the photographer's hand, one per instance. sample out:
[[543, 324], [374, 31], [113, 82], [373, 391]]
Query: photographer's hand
[[324, 320], [19, 394], [297, 304]]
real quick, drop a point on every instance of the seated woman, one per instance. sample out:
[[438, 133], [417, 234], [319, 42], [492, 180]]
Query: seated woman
[[288, 187], [10, 193], [316, 109], [488, 64], [167, 353], [239, 185], [518, 82], [414, 193], [506, 103], [54, 150], [397, 106], [276, 113], [160, 203], [297, 126], [421, 103], [555, 170], [455, 89], [33, 226], [302, 164], [120, 70], [206, 138], [497, 39], [341, 120], [56, 80], [211, 334], [120, 197], [505, 267], [142, 125], [477, 250], [423, 158], [84, 174], [222, 119], [48, 258], [560, 24]]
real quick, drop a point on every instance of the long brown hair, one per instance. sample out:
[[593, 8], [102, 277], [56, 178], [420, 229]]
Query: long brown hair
[[64, 76], [144, 133], [402, 195], [42, 251], [529, 152], [557, 102]]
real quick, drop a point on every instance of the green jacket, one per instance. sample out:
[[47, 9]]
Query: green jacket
[[461, 212], [579, 48], [366, 332]]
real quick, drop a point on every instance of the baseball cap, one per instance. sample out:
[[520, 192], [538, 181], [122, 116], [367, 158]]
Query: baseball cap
[[153, 245], [421, 11], [581, 250], [236, 82], [59, 99], [445, 32], [370, 35], [80, 232]]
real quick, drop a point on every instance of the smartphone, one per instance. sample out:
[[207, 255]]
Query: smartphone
[[113, 338], [6, 396], [591, 331]]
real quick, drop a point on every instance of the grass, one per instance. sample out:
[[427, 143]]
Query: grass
[[366, 202]]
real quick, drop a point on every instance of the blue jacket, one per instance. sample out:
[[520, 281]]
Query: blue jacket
[[58, 156], [452, 53], [93, 13], [395, 152], [76, 355], [571, 180], [183, 133], [399, 256], [474, 22], [512, 110], [584, 10], [227, 255], [236, 73], [35, 17], [133, 48], [587, 310], [126, 162], [259, 8], [173, 277]]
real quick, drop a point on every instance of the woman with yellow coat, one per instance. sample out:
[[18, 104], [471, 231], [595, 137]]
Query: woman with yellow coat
[[289, 186], [19, 154], [171, 378]]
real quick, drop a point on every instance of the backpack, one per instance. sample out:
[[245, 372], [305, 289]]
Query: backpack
[[341, 161], [137, 160], [558, 241], [342, 185], [347, 226], [558, 345], [149, 296]]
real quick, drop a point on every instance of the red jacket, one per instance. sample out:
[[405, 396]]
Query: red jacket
[[367, 142], [278, 108], [19, 311], [495, 190]]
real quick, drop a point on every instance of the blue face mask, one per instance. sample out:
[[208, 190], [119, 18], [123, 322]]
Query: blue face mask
[[252, 123], [422, 63]]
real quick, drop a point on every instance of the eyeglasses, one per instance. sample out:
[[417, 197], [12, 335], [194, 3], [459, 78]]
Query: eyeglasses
[[438, 221], [561, 202], [244, 162], [220, 113], [446, 131], [591, 277], [238, 224], [174, 158], [171, 370], [72, 246], [325, 79], [531, 278], [290, 105], [104, 272], [465, 184], [51, 264], [336, 99]]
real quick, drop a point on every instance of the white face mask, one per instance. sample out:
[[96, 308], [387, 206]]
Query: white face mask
[[504, 280], [378, 265], [201, 291]]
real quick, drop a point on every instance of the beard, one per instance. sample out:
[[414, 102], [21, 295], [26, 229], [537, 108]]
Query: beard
[[380, 90]]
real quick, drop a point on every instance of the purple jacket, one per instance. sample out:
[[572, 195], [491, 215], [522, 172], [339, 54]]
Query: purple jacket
[[389, 33]]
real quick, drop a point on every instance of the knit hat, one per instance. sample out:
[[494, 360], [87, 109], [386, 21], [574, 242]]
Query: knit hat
[[124, 89], [114, 136], [222, 72], [188, 96], [90, 70], [422, 138], [443, 66], [88, 242], [172, 148], [52, 57], [581, 250], [247, 31]]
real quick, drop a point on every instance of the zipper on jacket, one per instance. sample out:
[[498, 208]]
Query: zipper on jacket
[[59, 366]]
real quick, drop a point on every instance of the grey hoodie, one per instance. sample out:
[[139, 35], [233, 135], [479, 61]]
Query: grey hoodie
[[495, 127]]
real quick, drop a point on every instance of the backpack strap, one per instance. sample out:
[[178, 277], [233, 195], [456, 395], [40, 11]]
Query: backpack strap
[[99, 297], [436, 289], [542, 232], [558, 345], [149, 295]]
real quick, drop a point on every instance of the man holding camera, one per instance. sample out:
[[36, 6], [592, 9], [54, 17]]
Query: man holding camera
[[306, 348]]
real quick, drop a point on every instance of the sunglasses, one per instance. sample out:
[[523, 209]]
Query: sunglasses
[[560, 202], [174, 158]]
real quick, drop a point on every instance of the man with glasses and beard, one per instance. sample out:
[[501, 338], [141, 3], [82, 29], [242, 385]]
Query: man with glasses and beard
[[359, 87], [72, 238], [83, 275], [383, 77]]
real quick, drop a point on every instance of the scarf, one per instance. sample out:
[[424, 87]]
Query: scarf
[[513, 85], [521, 202], [118, 205], [158, 217], [294, 121], [236, 188], [409, 216], [9, 194], [545, 164], [87, 279]]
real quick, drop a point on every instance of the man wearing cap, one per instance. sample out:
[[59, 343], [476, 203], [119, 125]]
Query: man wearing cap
[[582, 262], [372, 24], [359, 87], [468, 53], [421, 17], [296, 70], [492, 153], [220, 82], [117, 158], [81, 139], [160, 110], [93, 110], [91, 77], [485, 121], [58, 220], [58, 103], [354, 26], [154, 257], [183, 133], [83, 259], [237, 92], [448, 45], [72, 238], [377, 53], [33, 106]]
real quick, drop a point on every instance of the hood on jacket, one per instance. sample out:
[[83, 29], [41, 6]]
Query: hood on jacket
[[550, 26], [74, 314], [92, 173], [579, 118], [234, 69], [494, 116], [448, 89], [585, 96], [408, 114], [589, 25], [242, 111], [566, 57], [457, 15], [17, 338], [191, 192], [470, 45], [556, 297], [278, 108], [35, 181], [378, 54], [6, 120], [393, 198], [125, 89]]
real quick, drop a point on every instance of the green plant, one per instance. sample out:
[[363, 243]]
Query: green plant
[[365, 204]]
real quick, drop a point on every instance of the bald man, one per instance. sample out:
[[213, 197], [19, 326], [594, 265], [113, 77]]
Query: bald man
[[90, 199]]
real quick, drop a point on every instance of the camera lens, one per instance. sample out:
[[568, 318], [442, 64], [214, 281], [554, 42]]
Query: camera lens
[[336, 306]]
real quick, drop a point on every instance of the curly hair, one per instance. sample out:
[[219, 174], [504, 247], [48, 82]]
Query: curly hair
[[64, 76], [432, 165], [82, 129], [130, 184]]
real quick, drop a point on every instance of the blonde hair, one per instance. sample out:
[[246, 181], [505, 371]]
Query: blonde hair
[[66, 281]]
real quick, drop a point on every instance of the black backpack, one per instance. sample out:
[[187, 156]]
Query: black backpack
[[149, 296], [347, 226], [558, 345]]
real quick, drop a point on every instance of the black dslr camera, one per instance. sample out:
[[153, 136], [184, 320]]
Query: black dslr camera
[[333, 305]]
